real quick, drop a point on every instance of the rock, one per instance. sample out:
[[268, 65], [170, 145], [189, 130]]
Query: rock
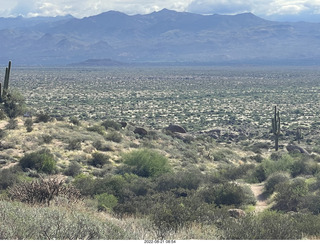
[[237, 213], [140, 131], [123, 124], [295, 148], [176, 128]]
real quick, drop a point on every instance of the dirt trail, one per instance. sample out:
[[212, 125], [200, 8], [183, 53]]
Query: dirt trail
[[258, 190]]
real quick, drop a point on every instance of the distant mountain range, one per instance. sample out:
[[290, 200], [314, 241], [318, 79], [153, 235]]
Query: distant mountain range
[[114, 38]]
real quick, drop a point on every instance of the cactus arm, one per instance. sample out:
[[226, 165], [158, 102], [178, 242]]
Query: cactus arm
[[6, 79], [276, 127]]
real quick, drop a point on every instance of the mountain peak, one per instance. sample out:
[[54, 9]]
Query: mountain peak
[[164, 12]]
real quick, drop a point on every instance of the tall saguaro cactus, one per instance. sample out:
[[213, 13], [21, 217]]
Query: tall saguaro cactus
[[299, 135], [6, 82], [276, 127]]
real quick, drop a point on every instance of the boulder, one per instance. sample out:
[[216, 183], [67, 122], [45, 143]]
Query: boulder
[[176, 128], [123, 124], [140, 131], [295, 148]]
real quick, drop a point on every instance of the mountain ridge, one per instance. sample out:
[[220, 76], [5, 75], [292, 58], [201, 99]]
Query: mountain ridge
[[163, 36]]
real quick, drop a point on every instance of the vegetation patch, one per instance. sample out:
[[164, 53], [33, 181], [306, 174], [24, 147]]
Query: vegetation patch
[[42, 161]]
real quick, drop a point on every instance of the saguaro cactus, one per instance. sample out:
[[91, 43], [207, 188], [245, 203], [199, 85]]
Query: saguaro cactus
[[299, 135], [276, 127], [6, 82]]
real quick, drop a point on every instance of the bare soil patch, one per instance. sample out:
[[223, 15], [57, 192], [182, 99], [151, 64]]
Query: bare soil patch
[[258, 191]]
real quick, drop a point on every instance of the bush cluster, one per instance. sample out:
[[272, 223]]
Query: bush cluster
[[42, 161], [295, 165], [28, 123], [109, 124], [42, 117], [114, 136], [9, 177], [13, 104], [146, 163], [99, 159], [289, 194], [274, 179], [42, 223], [228, 194], [268, 225], [106, 201]]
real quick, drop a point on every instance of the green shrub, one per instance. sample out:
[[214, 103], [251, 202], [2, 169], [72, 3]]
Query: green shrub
[[275, 179], [74, 144], [233, 173], [311, 203], [2, 114], [219, 155], [13, 104], [97, 128], [139, 186], [308, 224], [12, 125], [190, 180], [42, 161], [23, 222], [115, 185], [99, 159], [114, 136], [73, 169], [289, 194], [9, 177], [42, 117], [228, 194], [28, 124], [304, 166], [99, 145], [171, 214], [268, 166], [74, 121], [106, 201], [3, 133], [146, 162], [268, 225], [47, 138], [85, 184], [111, 124]]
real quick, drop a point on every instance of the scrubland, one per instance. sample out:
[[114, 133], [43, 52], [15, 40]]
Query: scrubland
[[92, 157]]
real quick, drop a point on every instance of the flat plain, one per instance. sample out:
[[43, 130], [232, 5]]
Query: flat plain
[[198, 98]]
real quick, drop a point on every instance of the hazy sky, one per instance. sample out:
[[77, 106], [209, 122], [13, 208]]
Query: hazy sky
[[296, 10]]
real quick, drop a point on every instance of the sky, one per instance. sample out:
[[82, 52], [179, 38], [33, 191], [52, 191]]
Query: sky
[[282, 10]]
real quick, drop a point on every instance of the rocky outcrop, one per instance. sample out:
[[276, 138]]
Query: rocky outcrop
[[176, 128], [295, 148]]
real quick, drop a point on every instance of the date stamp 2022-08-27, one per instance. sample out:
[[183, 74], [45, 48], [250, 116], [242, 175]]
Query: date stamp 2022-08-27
[[160, 241]]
